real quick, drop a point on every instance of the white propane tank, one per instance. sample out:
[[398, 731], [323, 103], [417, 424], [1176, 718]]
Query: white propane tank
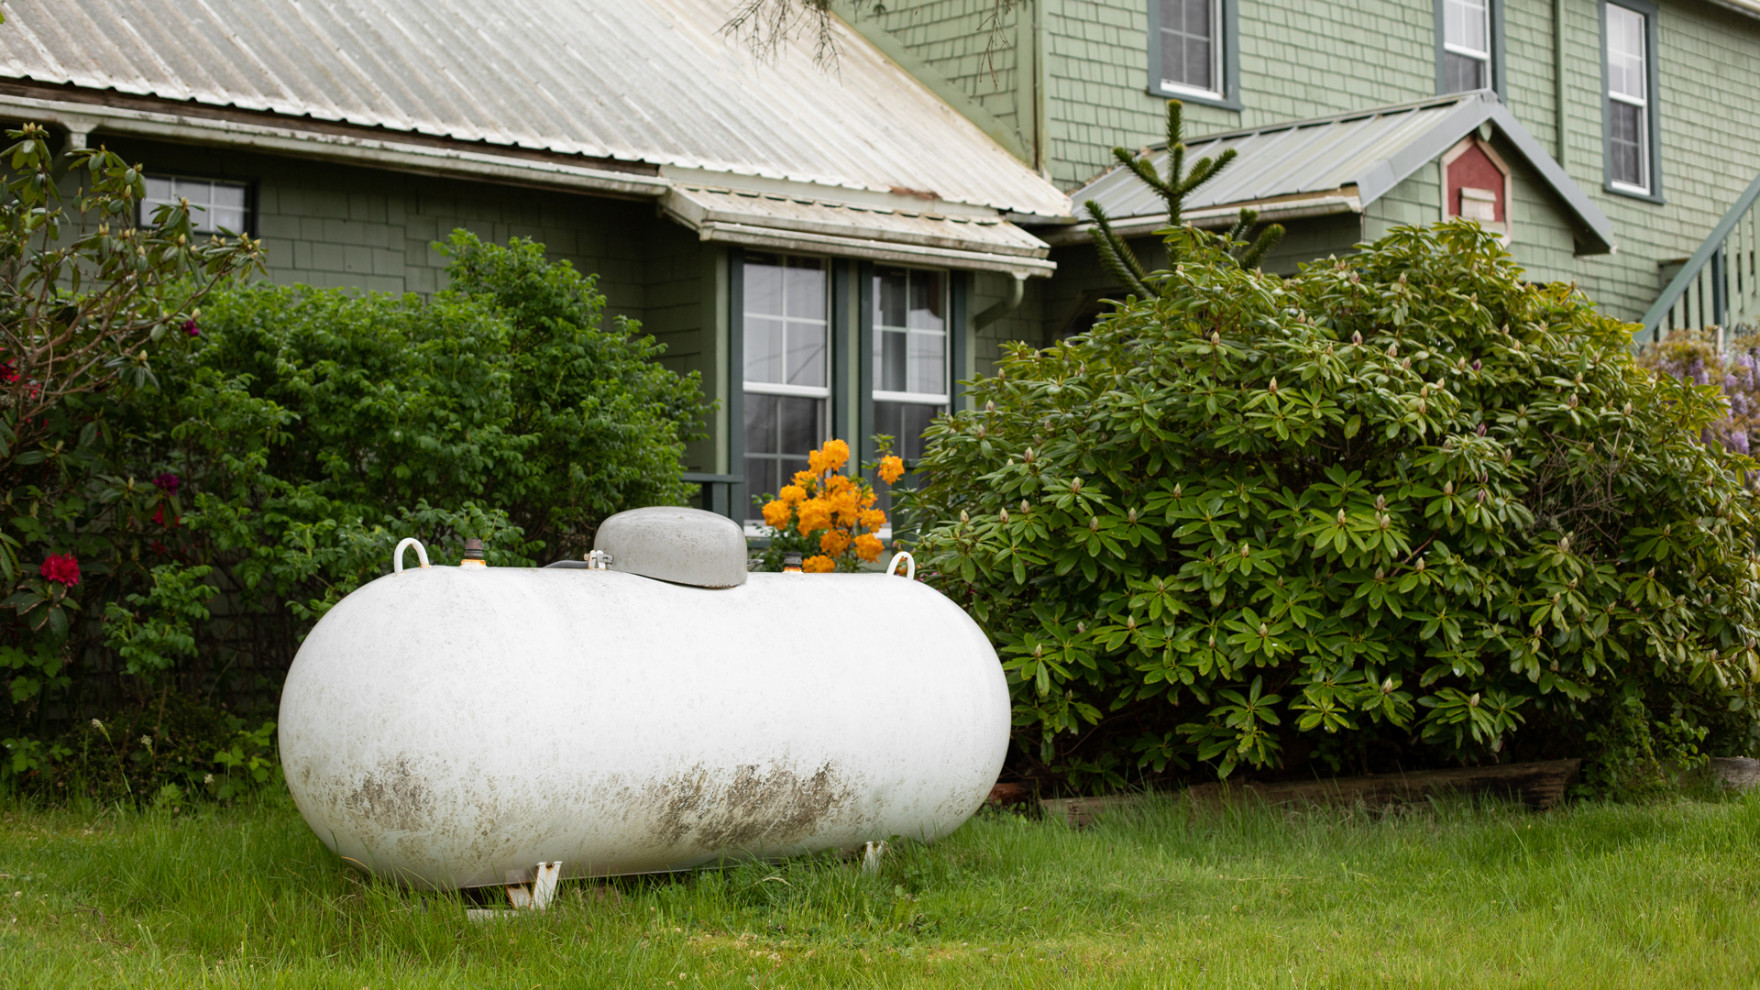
[[453, 726]]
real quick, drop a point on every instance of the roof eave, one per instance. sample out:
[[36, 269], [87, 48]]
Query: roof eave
[[1748, 7], [1331, 202], [97, 118]]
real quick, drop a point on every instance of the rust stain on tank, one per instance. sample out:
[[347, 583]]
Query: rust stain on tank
[[392, 797], [752, 810]]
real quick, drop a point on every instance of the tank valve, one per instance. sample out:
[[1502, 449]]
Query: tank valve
[[473, 554], [598, 560]]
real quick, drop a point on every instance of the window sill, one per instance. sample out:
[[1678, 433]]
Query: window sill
[[1630, 192], [1196, 99]]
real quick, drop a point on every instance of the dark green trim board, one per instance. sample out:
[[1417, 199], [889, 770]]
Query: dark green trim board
[[736, 376], [959, 289], [1231, 62], [842, 270], [1652, 103], [1499, 52], [864, 443]]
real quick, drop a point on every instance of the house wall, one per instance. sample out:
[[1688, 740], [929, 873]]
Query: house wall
[[1324, 57], [331, 225]]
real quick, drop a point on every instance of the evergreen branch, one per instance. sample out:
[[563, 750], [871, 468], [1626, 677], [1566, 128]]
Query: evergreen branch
[[1115, 255], [1267, 239]]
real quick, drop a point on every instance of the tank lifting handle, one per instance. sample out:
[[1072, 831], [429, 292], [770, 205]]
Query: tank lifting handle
[[910, 564], [397, 555]]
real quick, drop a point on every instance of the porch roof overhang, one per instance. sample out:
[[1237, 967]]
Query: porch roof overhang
[[873, 230], [1337, 164]]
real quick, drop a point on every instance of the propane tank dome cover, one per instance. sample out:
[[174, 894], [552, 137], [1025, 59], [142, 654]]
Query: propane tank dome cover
[[684, 546]]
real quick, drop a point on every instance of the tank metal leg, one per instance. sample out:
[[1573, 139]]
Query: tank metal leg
[[871, 854], [527, 890]]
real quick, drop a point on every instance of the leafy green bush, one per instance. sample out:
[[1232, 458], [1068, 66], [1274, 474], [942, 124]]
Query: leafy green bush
[[203, 518], [1402, 506]]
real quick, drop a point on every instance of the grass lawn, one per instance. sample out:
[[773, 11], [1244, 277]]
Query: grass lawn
[[1449, 895]]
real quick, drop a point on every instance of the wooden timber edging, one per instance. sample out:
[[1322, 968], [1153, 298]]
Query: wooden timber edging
[[1539, 785]]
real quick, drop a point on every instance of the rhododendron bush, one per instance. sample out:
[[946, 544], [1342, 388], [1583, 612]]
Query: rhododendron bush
[[1404, 507]]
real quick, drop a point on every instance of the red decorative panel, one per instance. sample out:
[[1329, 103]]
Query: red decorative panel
[[1474, 169]]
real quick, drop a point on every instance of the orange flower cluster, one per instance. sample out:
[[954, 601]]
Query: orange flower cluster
[[830, 510]]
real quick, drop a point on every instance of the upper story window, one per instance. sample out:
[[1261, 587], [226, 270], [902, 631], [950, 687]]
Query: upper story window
[[1469, 46], [786, 341], [1192, 51], [1466, 44], [1630, 117], [214, 206]]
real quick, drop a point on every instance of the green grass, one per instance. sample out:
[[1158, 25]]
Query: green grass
[[1448, 895]]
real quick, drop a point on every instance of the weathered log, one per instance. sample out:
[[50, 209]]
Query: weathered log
[[1738, 773], [1539, 785]]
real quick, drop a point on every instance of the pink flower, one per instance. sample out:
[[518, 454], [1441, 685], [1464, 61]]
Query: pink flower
[[189, 327], [8, 374], [61, 568], [166, 483]]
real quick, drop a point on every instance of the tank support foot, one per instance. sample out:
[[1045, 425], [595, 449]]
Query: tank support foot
[[527, 890], [871, 854]]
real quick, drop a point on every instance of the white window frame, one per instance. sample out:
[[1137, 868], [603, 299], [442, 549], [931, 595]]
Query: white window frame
[[202, 208], [1216, 60], [1641, 101], [1456, 48], [940, 402], [943, 398], [823, 393]]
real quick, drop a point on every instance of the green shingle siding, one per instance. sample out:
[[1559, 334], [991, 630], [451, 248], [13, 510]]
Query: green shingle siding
[[1331, 56], [339, 226], [954, 38]]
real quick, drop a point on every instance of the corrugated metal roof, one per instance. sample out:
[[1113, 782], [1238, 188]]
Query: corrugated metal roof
[[1332, 163], [1285, 160], [650, 81], [909, 236]]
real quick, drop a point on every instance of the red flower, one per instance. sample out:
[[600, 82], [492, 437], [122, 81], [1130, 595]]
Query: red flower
[[8, 374], [159, 517], [61, 568]]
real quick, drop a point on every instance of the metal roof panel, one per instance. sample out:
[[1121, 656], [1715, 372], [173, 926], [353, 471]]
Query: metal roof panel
[[652, 81], [1370, 150]]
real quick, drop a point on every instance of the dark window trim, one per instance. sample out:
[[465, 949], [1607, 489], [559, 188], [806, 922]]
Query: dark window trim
[[842, 270], [1231, 68], [959, 287], [250, 196], [864, 443], [1498, 81], [1652, 104], [736, 378]]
